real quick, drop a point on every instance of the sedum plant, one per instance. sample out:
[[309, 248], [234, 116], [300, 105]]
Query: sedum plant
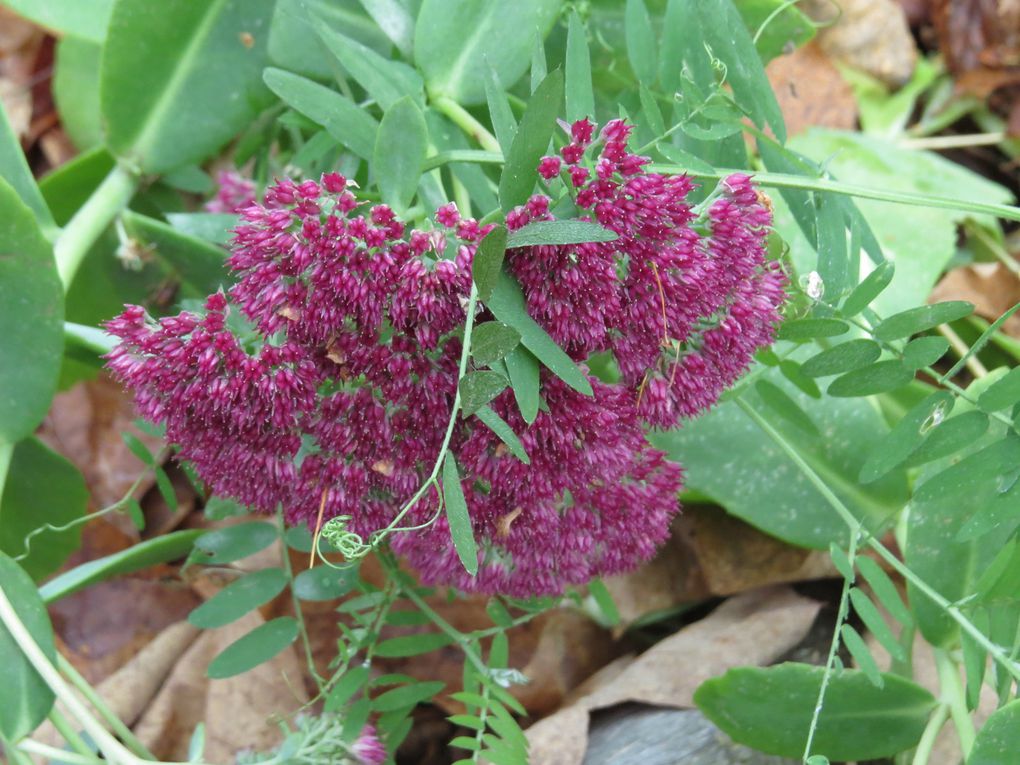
[[463, 302]]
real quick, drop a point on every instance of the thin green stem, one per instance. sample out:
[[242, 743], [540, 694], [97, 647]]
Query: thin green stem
[[953, 141], [995, 651], [931, 732], [830, 662], [116, 724], [298, 615], [463, 119], [784, 181], [55, 754], [953, 695], [91, 220], [1001, 254], [15, 755], [961, 349], [69, 732]]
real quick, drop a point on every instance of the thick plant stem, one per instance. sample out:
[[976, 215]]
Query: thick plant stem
[[462, 118], [91, 220], [953, 695], [931, 731], [116, 724], [112, 749], [995, 651]]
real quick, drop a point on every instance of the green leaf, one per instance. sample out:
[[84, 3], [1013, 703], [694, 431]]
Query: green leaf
[[870, 288], [842, 358], [195, 262], [235, 542], [41, 488], [343, 119], [808, 329], [523, 369], [721, 30], [915, 320], [161, 549], [258, 646], [28, 698], [177, 80], [998, 741], [531, 142], [507, 304], [791, 371], [728, 458], [841, 562], [488, 262], [479, 388], [499, 426], [579, 94], [559, 232], [81, 18], [76, 90], [406, 696], [880, 377], [500, 115], [219, 508], [400, 148], [939, 509], [539, 67], [949, 437], [886, 592], [1003, 393], [770, 710], [457, 516], [788, 30], [325, 582], [412, 645], [384, 80], [455, 41], [15, 171], [239, 597], [899, 443], [31, 319], [605, 602], [492, 341], [861, 655], [353, 680], [876, 624], [640, 42], [924, 351], [780, 402]]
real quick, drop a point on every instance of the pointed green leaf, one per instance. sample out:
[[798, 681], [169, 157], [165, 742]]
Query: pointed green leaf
[[384, 80], [488, 263], [998, 741], [353, 680], [455, 41], [457, 516], [884, 590], [640, 42], [507, 305], [492, 341], [499, 426], [238, 598], [559, 232], [524, 377], [346, 121], [258, 646], [406, 696], [531, 142], [500, 115], [412, 645], [780, 402], [870, 288], [862, 656], [579, 94], [876, 624], [400, 149]]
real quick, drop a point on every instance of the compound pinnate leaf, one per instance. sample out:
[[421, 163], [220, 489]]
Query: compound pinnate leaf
[[531, 142]]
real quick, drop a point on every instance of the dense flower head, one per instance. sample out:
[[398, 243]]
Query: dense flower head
[[234, 192], [325, 376]]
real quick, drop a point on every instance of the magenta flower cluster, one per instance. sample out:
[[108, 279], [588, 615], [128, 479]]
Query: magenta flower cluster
[[338, 394]]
